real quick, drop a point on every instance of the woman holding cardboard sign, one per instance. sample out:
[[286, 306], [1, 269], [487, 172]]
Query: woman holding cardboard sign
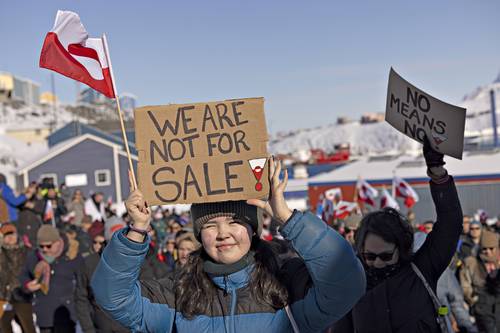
[[233, 283]]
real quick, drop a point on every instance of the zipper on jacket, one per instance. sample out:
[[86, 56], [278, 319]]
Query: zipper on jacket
[[225, 285], [233, 310]]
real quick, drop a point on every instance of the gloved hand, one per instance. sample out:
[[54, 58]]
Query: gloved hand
[[435, 162], [432, 157]]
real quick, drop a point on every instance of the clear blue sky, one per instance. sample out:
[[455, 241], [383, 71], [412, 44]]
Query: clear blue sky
[[311, 60]]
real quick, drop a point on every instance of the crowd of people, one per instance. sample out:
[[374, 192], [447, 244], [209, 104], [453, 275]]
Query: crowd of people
[[51, 241], [73, 264]]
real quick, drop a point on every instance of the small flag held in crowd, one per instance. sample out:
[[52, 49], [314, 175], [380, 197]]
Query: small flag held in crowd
[[344, 208], [366, 192], [387, 200], [333, 194], [327, 211], [48, 214], [404, 190]]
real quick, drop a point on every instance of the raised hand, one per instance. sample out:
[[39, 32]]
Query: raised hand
[[137, 207], [276, 206], [434, 161]]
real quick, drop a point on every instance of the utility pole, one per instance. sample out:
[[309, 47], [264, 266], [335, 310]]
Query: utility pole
[[494, 118], [54, 106]]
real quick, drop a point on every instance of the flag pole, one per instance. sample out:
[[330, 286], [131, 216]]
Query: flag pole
[[117, 99]]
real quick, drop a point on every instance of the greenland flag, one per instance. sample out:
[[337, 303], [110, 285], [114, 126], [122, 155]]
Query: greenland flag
[[68, 50], [344, 208], [387, 200], [405, 191], [366, 193]]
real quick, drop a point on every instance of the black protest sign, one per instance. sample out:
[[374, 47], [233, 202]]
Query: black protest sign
[[417, 114], [202, 152]]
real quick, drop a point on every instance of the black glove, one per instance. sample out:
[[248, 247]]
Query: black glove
[[432, 157]]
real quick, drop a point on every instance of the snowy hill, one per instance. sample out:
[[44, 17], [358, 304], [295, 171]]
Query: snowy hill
[[14, 152], [380, 137]]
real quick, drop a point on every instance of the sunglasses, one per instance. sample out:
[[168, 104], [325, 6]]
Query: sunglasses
[[45, 246], [348, 230], [384, 256], [474, 228]]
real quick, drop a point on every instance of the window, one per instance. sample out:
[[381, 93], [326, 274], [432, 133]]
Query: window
[[47, 177], [102, 177], [76, 180]]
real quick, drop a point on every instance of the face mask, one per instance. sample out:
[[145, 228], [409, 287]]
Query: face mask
[[48, 259], [377, 275], [486, 258]]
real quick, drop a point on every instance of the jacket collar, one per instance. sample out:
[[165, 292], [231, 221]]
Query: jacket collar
[[233, 281]]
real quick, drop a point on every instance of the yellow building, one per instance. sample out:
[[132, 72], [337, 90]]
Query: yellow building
[[48, 98], [28, 134], [6, 86]]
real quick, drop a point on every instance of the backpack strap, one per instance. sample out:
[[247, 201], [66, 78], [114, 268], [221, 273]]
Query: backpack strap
[[442, 311], [292, 319]]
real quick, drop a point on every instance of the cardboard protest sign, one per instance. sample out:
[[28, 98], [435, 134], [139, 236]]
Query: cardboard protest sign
[[417, 114], [202, 152]]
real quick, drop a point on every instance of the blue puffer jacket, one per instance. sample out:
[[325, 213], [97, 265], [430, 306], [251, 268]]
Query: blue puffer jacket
[[11, 200], [337, 282]]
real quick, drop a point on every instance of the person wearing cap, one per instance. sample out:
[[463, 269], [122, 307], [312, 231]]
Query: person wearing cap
[[477, 277], [231, 284], [469, 245], [91, 317], [49, 274], [12, 298], [400, 283]]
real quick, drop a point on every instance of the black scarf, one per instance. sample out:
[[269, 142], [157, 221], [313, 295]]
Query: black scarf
[[374, 276], [216, 269]]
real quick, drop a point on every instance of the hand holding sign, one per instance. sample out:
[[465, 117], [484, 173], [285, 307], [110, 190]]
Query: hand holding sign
[[137, 208], [276, 206]]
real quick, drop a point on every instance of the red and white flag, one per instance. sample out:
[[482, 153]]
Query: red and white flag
[[328, 209], [344, 208], [334, 194], [68, 50], [404, 190], [366, 192], [387, 200]]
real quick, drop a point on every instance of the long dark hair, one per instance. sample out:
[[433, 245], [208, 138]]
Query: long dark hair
[[391, 226], [195, 291]]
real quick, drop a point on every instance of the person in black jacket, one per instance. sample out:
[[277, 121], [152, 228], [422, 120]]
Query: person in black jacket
[[397, 299], [91, 317], [15, 302], [49, 274]]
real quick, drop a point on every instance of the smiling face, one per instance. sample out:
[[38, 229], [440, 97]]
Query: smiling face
[[378, 253], [225, 240]]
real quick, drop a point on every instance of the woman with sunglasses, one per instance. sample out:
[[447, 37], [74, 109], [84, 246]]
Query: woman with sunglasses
[[397, 299], [90, 316]]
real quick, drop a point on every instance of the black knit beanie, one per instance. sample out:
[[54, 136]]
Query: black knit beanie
[[201, 213]]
